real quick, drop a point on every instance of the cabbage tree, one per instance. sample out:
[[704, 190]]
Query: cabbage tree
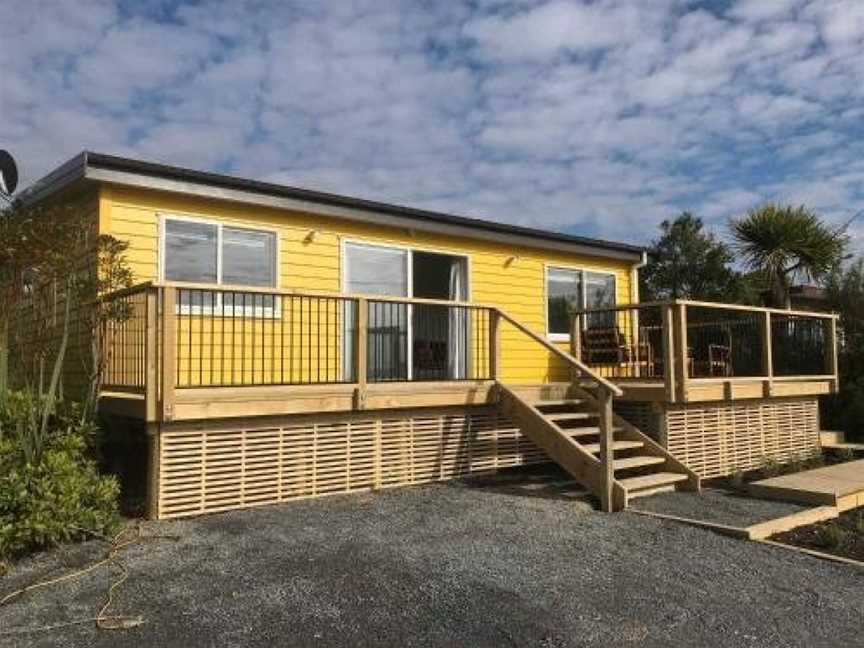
[[785, 244]]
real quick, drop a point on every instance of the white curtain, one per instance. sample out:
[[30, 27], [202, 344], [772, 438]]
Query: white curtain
[[457, 339]]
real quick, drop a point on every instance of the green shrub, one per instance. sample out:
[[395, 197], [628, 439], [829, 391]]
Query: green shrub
[[20, 414], [833, 536], [56, 495], [845, 454], [770, 467], [795, 464], [859, 523], [737, 481]]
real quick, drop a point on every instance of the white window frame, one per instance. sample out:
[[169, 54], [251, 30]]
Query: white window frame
[[343, 280], [565, 337], [248, 311]]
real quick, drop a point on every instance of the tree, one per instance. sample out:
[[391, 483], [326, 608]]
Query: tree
[[784, 243], [687, 262], [53, 268], [846, 295]]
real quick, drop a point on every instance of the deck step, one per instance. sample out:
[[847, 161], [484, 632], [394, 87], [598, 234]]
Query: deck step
[[651, 482], [557, 403], [594, 448], [590, 430], [637, 462], [570, 416]]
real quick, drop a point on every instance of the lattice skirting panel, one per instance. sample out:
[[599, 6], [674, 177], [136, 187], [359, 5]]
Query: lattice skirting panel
[[642, 415], [717, 439], [229, 466]]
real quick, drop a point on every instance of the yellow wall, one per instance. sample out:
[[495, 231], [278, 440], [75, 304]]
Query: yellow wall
[[517, 287]]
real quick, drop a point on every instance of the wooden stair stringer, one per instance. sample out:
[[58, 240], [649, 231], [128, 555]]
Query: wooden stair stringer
[[583, 466]]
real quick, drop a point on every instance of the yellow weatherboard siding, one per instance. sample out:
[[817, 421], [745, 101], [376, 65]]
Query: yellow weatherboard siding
[[511, 277]]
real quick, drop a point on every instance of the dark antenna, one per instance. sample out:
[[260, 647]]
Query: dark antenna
[[8, 175]]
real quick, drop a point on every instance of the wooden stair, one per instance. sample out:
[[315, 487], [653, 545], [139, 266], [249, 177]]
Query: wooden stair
[[570, 430]]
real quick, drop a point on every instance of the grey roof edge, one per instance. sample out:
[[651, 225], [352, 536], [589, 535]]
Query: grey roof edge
[[65, 174], [77, 168]]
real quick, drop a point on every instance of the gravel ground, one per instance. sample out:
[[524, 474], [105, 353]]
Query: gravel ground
[[461, 564], [718, 506]]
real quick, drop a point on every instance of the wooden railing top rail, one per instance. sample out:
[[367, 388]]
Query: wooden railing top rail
[[441, 302], [569, 359], [759, 309], [321, 293], [717, 305]]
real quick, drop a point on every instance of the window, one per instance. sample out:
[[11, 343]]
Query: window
[[248, 257], [563, 293], [567, 290], [199, 252], [191, 252], [212, 253], [376, 270]]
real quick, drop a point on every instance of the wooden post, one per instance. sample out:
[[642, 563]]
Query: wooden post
[[576, 336], [153, 466], [767, 355], [575, 343], [607, 452], [361, 348], [668, 335], [682, 359], [151, 351], [494, 344], [634, 324], [169, 351], [831, 353]]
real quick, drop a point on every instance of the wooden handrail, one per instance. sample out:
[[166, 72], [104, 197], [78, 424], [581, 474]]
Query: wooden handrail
[[619, 307], [756, 309], [569, 359], [691, 302], [323, 294]]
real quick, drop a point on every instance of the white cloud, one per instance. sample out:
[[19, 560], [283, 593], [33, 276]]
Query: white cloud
[[601, 117], [547, 29]]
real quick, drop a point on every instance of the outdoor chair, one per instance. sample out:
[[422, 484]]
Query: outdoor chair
[[609, 346]]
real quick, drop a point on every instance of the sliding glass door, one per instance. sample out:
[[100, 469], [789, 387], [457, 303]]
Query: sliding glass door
[[410, 342]]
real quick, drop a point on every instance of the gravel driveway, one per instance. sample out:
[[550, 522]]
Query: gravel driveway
[[491, 562]]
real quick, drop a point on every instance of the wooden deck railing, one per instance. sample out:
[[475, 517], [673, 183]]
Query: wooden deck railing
[[204, 336], [682, 341], [191, 336]]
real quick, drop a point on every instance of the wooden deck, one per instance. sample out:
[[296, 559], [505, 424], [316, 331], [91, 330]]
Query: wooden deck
[[841, 485]]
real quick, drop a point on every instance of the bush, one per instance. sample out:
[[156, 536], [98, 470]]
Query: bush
[[770, 467], [845, 411], [55, 495], [833, 536]]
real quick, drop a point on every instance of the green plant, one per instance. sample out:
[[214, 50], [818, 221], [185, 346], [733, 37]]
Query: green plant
[[20, 413], [770, 467], [859, 523], [833, 536], [736, 480], [689, 262], [782, 243], [54, 495], [795, 465], [816, 460], [845, 454]]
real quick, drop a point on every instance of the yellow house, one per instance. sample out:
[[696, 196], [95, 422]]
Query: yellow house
[[288, 343]]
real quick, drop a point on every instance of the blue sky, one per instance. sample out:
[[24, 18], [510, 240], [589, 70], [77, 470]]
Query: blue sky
[[593, 117]]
